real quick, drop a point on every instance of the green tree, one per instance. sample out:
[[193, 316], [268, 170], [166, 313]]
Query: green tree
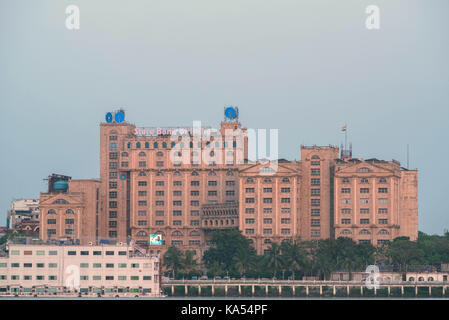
[[294, 257], [243, 261], [274, 259], [173, 260], [189, 263]]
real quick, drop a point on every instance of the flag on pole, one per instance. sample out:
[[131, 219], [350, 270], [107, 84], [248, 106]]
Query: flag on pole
[[343, 129]]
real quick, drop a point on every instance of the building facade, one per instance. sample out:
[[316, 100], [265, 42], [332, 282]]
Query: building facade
[[23, 217], [184, 183], [51, 269]]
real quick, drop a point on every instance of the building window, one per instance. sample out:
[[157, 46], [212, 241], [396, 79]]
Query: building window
[[249, 231], [345, 190], [267, 221], [364, 221], [364, 200], [345, 221], [159, 203], [51, 221], [267, 200], [285, 200], [249, 200], [315, 182], [315, 172], [383, 190], [364, 210], [113, 194], [383, 221], [285, 231], [346, 211], [315, 202], [382, 180], [249, 210], [285, 221], [315, 212], [267, 231], [382, 210], [364, 190], [142, 183], [267, 210], [315, 222], [112, 234]]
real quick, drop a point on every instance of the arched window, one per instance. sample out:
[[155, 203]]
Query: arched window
[[364, 169], [346, 231], [147, 145], [164, 145], [177, 173], [212, 173], [60, 201], [159, 153], [345, 180], [382, 180], [162, 233], [364, 180], [155, 145], [430, 279], [137, 145], [364, 231], [69, 211], [142, 174], [177, 233], [285, 180], [141, 234], [229, 173], [194, 173], [51, 211], [159, 174], [195, 233], [124, 154], [267, 241], [113, 132], [315, 157], [384, 231], [267, 180], [411, 279], [421, 279], [249, 180], [142, 154]]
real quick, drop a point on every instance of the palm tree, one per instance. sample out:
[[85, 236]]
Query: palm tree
[[243, 261], [173, 260], [274, 258], [294, 256]]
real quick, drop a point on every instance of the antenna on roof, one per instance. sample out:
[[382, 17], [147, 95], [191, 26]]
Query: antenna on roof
[[408, 157]]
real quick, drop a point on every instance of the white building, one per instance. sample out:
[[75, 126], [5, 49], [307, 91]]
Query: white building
[[109, 270], [23, 210]]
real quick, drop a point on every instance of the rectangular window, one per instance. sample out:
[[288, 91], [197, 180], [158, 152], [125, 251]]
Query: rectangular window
[[315, 222], [287, 190], [315, 202], [267, 200], [159, 193], [267, 190], [112, 214], [364, 210], [177, 203], [364, 200], [315, 182], [345, 221], [249, 190], [194, 183], [285, 221], [345, 190], [267, 221], [267, 231], [383, 221], [315, 212], [142, 193], [212, 183], [382, 210], [364, 190], [315, 172], [285, 200], [142, 183], [113, 184], [177, 193], [249, 231], [194, 213], [383, 190], [285, 231]]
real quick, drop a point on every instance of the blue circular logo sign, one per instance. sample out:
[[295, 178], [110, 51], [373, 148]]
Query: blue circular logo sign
[[123, 177], [230, 113], [108, 117], [119, 117]]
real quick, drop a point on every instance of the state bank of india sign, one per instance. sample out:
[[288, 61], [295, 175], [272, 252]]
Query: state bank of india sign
[[157, 131]]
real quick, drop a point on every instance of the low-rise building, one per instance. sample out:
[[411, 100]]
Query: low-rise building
[[39, 269]]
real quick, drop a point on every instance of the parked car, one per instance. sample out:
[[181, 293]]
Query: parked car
[[204, 278], [217, 278], [194, 278]]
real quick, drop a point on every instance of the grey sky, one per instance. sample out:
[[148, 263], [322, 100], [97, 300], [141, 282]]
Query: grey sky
[[305, 67]]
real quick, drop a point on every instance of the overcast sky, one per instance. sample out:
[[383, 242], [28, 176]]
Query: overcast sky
[[304, 67]]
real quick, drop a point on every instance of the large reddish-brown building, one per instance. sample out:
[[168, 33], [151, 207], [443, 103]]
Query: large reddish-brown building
[[185, 183]]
